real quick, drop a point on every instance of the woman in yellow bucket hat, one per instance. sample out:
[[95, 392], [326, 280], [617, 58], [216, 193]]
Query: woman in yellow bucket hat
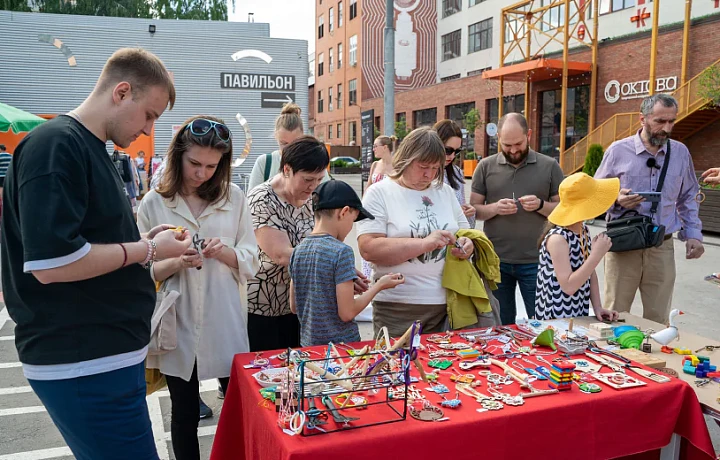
[[566, 281]]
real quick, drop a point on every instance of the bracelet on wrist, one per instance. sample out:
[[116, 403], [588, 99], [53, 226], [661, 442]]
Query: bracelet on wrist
[[151, 255], [542, 203]]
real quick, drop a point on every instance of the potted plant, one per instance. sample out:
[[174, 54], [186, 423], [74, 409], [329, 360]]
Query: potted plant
[[709, 212], [592, 163], [469, 163], [593, 159]]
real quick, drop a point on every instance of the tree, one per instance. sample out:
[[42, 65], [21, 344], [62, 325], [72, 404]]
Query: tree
[[709, 85], [472, 121], [593, 159], [213, 10], [401, 130]]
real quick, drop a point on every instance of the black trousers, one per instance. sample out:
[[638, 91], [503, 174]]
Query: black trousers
[[185, 414], [273, 332]]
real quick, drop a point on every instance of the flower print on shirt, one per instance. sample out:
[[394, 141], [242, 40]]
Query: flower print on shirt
[[427, 223]]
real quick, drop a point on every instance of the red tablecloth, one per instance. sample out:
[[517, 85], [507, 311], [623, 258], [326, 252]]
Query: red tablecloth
[[610, 424]]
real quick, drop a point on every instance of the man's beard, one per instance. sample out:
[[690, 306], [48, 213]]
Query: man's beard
[[658, 138], [513, 161]]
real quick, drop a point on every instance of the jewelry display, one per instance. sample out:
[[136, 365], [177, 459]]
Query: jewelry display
[[451, 403]]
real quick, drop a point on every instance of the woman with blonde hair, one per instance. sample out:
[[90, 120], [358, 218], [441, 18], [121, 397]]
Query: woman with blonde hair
[[196, 193], [451, 135], [416, 218], [382, 150], [288, 127]]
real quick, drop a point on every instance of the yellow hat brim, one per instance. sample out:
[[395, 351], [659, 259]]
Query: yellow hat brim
[[600, 201]]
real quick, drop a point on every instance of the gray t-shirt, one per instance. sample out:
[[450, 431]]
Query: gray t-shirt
[[516, 236], [317, 265]]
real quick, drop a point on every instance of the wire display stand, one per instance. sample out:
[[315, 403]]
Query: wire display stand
[[376, 397]]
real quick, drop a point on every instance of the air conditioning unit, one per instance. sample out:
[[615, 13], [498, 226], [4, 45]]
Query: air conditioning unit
[[354, 64]]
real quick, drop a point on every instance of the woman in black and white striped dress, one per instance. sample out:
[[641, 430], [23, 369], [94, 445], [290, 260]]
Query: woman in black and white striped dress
[[567, 283]]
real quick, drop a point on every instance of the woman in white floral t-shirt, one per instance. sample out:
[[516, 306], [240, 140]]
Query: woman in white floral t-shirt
[[416, 218]]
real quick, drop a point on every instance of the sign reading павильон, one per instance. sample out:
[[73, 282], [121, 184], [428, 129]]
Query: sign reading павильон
[[257, 81]]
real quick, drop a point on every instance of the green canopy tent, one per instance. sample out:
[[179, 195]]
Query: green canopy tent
[[17, 120]]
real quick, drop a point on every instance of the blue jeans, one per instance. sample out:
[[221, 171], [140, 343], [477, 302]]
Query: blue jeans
[[512, 275], [103, 416]]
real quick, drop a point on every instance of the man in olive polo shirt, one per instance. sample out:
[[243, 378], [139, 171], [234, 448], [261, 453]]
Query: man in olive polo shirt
[[514, 192]]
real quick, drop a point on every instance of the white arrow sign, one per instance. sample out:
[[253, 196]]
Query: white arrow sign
[[252, 53], [287, 100]]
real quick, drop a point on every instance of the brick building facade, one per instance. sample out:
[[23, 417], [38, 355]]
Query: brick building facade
[[623, 59]]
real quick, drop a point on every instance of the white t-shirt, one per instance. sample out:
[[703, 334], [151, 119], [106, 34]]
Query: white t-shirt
[[405, 213]]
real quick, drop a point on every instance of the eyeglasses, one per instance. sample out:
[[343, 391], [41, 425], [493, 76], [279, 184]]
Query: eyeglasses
[[451, 151], [201, 126]]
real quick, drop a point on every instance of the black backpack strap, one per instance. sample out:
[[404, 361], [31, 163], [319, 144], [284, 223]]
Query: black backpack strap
[[661, 180], [268, 165]]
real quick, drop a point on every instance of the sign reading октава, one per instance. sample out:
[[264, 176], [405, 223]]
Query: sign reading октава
[[257, 81], [614, 90]]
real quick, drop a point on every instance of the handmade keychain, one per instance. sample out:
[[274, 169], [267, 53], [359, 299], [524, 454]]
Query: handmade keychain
[[440, 363], [258, 362], [451, 403]]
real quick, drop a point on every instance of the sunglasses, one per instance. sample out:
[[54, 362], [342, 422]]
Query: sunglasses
[[451, 151], [201, 126]]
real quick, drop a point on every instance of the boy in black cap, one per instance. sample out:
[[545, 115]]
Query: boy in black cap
[[322, 269]]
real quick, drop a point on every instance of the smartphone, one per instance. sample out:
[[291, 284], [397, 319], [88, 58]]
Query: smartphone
[[652, 197]]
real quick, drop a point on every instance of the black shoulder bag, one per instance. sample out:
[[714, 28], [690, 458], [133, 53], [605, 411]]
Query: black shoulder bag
[[632, 231]]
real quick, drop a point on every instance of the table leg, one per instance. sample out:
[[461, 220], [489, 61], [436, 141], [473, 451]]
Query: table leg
[[672, 450]]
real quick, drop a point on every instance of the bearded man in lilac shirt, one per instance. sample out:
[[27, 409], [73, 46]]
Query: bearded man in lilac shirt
[[637, 161]]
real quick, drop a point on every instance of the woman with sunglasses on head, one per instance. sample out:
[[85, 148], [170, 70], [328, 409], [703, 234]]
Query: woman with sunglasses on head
[[451, 135], [196, 193], [288, 127], [282, 216]]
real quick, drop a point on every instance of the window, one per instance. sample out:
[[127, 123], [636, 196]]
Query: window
[[330, 61], [330, 94], [618, 5], [400, 117], [340, 14], [339, 97], [518, 28], [480, 36], [474, 2], [450, 7], [340, 55], [377, 125], [331, 20], [472, 73], [353, 9], [426, 117], [451, 77], [353, 51], [451, 45], [510, 104], [339, 131], [352, 131], [330, 130], [578, 103], [321, 60], [457, 113], [321, 27], [320, 102], [352, 95]]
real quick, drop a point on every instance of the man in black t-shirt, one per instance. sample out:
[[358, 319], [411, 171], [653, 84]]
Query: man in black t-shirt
[[72, 263]]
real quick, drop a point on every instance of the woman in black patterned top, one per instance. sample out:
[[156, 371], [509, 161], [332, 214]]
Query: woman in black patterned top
[[566, 280], [282, 216]]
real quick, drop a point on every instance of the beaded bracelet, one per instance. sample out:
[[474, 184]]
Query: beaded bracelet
[[149, 254]]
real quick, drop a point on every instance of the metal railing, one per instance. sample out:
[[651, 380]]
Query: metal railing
[[622, 125]]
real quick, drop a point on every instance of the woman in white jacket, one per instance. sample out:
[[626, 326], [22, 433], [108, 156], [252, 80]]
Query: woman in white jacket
[[196, 193]]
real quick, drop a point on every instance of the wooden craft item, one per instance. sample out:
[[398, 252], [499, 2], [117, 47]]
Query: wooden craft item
[[521, 376], [327, 375], [654, 361], [630, 382]]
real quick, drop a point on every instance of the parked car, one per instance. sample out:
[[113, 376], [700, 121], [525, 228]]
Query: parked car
[[349, 161]]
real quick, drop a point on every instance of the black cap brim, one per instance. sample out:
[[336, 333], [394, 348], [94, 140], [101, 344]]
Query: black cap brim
[[364, 214]]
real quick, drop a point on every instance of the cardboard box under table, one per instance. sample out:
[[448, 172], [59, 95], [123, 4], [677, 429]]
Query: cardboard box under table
[[634, 422]]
